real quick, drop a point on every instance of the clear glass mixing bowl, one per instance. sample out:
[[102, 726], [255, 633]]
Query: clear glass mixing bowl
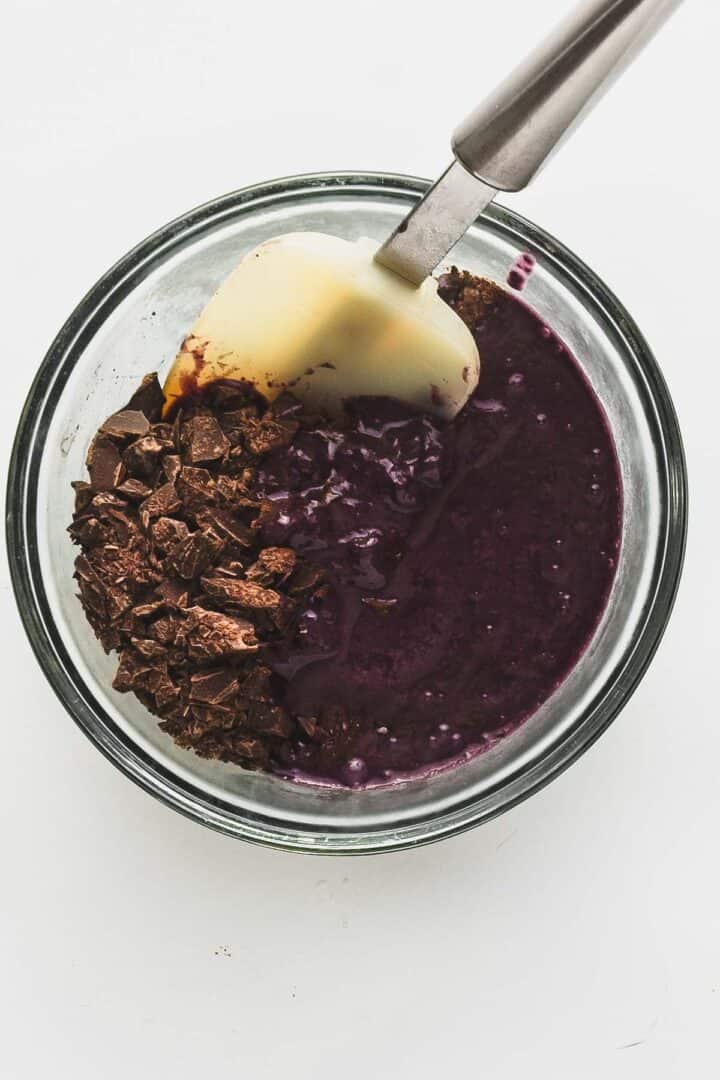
[[132, 321]]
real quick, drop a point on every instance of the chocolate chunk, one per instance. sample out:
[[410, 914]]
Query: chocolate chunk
[[204, 439], [174, 592], [193, 556], [273, 564], [251, 751], [256, 684], [164, 433], [134, 671], [142, 456], [206, 719], [89, 532], [235, 493], [241, 593], [106, 499], [269, 720], [211, 635], [104, 464], [92, 588], [148, 398], [196, 488], [149, 649], [172, 464], [134, 489], [145, 611], [163, 502], [122, 529], [83, 495], [226, 524], [129, 423], [168, 532], [213, 687], [265, 435], [167, 629], [167, 694]]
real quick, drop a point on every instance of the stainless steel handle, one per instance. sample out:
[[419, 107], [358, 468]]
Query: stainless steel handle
[[506, 140]]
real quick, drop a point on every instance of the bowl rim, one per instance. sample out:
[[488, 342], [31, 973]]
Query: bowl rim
[[130, 758]]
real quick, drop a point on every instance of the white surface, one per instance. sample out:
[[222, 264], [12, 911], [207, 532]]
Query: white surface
[[577, 936]]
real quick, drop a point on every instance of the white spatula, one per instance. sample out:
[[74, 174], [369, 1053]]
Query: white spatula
[[331, 319]]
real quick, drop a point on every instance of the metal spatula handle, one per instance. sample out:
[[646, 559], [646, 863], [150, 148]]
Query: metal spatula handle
[[507, 139]]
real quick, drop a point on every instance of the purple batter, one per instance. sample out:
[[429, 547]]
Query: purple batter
[[468, 564]]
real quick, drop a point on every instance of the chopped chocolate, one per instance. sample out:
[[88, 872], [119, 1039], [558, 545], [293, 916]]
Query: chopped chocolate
[[193, 556], [237, 593], [92, 588], [213, 687], [269, 719], [166, 629], [151, 650], [234, 492], [128, 423], [163, 502], [133, 672], [104, 464], [145, 611], [172, 464], [167, 533], [212, 635], [274, 564], [204, 439], [196, 487], [83, 495], [148, 398], [174, 592], [265, 435], [134, 489], [227, 525], [256, 685], [142, 456], [165, 433]]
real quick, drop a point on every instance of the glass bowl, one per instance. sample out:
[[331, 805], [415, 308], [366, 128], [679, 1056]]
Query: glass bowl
[[132, 321]]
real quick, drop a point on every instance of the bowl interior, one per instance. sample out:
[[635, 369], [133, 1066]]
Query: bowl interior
[[133, 322]]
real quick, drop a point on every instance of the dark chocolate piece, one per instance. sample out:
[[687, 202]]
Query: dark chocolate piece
[[104, 464], [129, 423]]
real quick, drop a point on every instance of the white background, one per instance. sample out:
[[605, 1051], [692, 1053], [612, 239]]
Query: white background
[[577, 936]]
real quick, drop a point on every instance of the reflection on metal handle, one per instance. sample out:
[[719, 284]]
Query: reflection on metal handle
[[508, 138], [505, 141]]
